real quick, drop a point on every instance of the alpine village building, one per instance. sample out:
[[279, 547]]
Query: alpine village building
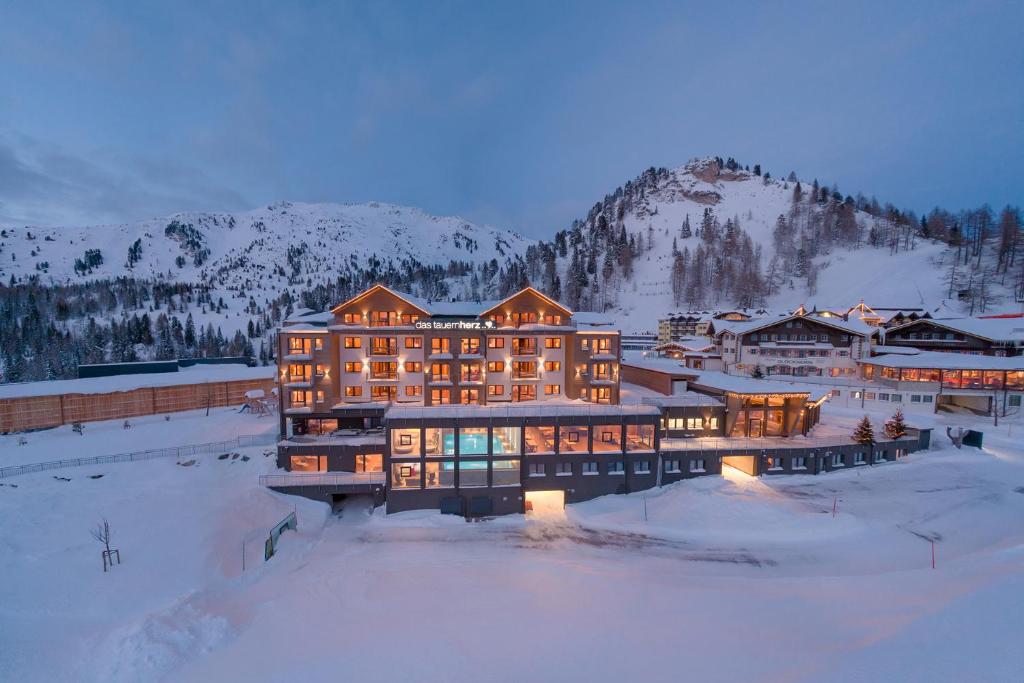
[[481, 408]]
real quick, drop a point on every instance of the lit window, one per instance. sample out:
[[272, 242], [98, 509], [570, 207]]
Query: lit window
[[370, 462], [406, 475], [505, 473], [353, 391], [308, 463], [552, 342], [353, 342]]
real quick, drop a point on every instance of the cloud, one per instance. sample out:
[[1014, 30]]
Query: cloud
[[43, 184]]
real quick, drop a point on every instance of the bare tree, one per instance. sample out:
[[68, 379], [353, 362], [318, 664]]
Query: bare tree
[[101, 532]]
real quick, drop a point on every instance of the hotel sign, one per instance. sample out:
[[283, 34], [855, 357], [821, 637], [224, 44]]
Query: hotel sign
[[456, 324]]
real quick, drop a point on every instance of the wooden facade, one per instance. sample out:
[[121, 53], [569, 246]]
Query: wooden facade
[[42, 412]]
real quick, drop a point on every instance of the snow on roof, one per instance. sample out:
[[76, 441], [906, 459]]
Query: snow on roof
[[305, 315], [687, 344], [683, 400], [742, 327], [903, 350], [196, 374], [666, 365], [303, 327], [946, 361], [540, 409], [993, 329], [741, 384], [592, 319]]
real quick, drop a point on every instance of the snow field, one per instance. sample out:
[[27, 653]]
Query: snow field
[[728, 578]]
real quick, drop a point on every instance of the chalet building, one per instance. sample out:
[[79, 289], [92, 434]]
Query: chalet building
[[383, 347], [936, 381], [798, 345], [985, 336], [873, 317], [491, 408]]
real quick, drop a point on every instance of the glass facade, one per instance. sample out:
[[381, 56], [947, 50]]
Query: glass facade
[[507, 440], [439, 441], [405, 443], [440, 475], [505, 472], [607, 438], [640, 437], [539, 439], [405, 475], [573, 439], [472, 473]]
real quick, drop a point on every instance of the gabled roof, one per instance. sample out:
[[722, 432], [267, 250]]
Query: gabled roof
[[992, 329], [739, 328], [378, 287], [696, 345], [547, 299]]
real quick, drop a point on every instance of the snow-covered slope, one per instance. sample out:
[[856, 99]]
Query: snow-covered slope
[[846, 275], [243, 249]]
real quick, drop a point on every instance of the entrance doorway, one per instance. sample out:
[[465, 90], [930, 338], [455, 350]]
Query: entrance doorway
[[744, 463], [545, 503]]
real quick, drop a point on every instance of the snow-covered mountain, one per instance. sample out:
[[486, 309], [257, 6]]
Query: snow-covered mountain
[[251, 249], [870, 252], [709, 234]]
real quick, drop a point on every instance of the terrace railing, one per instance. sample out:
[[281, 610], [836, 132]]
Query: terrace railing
[[321, 479]]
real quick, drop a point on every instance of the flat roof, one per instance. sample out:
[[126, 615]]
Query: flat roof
[[669, 366], [196, 374], [740, 384], [937, 360], [519, 410]]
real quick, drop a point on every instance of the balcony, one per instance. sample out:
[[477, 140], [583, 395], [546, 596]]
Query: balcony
[[298, 355], [382, 377]]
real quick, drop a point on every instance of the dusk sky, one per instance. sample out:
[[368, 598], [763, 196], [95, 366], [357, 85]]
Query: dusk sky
[[519, 114]]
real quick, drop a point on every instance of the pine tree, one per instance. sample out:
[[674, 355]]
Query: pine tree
[[864, 434], [686, 231], [895, 426], [757, 372]]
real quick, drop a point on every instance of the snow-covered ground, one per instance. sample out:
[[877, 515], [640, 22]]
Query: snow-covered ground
[[147, 432], [722, 579]]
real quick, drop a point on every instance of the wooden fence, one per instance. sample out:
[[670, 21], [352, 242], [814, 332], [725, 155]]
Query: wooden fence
[[41, 412]]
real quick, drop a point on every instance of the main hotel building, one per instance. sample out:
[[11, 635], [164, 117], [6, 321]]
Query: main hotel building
[[472, 408]]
